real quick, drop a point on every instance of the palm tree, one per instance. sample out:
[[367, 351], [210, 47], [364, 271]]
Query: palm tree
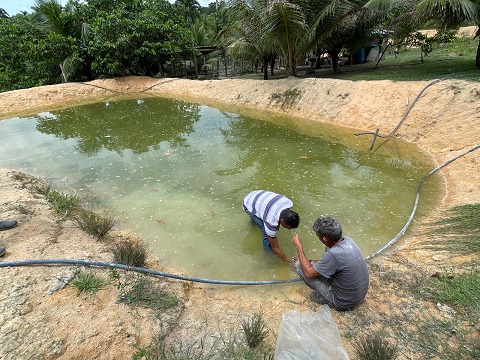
[[451, 14], [50, 17], [287, 27], [251, 33], [190, 10]]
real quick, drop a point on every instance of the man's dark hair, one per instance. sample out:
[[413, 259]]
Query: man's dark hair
[[329, 227], [290, 217]]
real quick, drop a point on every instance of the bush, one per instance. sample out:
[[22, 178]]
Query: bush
[[130, 253], [62, 203], [375, 347], [94, 224], [88, 282], [255, 330]]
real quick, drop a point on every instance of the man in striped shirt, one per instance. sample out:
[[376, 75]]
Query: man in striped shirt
[[269, 210]]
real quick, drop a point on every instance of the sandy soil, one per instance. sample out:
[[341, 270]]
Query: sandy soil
[[38, 323]]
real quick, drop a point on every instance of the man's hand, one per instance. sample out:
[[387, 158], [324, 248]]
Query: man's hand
[[296, 241]]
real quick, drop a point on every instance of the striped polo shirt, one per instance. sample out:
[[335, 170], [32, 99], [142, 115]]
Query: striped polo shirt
[[267, 206]]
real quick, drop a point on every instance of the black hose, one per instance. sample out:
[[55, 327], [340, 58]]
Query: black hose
[[376, 135], [224, 282], [88, 263], [394, 240]]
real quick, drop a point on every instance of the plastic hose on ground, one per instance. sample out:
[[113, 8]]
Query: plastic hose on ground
[[394, 240], [87, 263], [376, 135]]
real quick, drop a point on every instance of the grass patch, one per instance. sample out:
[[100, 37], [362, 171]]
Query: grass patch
[[426, 317], [255, 330], [179, 351], [94, 224], [62, 203], [130, 253], [455, 60], [375, 347], [199, 350], [88, 282], [460, 290], [137, 289], [461, 229]]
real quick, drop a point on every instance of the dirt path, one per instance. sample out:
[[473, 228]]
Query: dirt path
[[36, 324]]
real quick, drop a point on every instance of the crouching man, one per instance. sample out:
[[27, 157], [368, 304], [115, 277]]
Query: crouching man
[[340, 278]]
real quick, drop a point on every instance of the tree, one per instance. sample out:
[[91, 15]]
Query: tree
[[3, 13], [190, 9], [133, 37], [251, 33], [452, 14]]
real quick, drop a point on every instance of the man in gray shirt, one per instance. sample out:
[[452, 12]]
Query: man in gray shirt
[[340, 278]]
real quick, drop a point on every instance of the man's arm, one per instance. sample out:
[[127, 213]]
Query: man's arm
[[306, 265], [276, 249]]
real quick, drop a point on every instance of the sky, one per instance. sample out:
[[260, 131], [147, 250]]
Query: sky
[[13, 7]]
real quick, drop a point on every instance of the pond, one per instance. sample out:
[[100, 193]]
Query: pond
[[176, 173]]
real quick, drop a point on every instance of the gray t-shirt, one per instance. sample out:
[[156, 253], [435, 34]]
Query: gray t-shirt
[[347, 272]]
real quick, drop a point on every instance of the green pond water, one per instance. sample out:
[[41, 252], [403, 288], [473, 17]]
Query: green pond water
[[176, 173]]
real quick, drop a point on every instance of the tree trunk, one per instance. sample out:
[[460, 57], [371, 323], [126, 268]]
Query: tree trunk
[[334, 55], [265, 68], [272, 63], [477, 59], [195, 66]]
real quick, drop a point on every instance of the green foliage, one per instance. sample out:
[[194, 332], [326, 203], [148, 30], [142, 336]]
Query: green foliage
[[140, 290], [426, 44], [88, 282], [31, 53], [87, 40], [158, 350], [461, 290], [136, 41], [62, 203], [375, 347], [130, 253], [255, 330], [93, 223], [461, 229]]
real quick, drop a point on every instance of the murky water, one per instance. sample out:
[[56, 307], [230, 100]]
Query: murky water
[[177, 173]]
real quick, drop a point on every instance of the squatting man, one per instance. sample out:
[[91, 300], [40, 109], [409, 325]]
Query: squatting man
[[340, 278]]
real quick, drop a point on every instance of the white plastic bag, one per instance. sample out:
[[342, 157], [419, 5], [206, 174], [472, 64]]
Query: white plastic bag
[[309, 336]]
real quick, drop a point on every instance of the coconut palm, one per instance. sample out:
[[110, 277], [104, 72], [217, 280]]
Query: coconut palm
[[287, 27], [251, 33], [190, 10], [452, 14]]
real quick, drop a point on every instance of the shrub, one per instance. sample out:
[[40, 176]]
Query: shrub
[[138, 289], [375, 347], [255, 330], [62, 203], [88, 282], [130, 253], [94, 224]]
